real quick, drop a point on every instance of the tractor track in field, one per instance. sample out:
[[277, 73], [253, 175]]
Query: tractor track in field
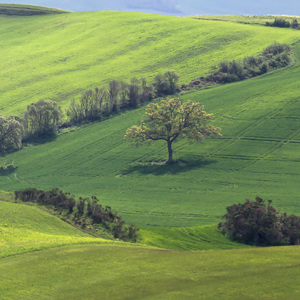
[[272, 150]]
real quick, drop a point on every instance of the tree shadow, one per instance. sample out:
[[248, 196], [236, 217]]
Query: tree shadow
[[39, 141], [161, 167], [7, 170]]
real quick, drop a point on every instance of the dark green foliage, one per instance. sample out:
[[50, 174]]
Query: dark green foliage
[[88, 211], [42, 119], [94, 104], [166, 84], [278, 22], [295, 24], [273, 57], [11, 133], [258, 224]]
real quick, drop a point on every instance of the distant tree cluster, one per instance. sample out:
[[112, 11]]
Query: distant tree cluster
[[258, 224], [275, 56], [84, 211], [282, 23], [118, 95]]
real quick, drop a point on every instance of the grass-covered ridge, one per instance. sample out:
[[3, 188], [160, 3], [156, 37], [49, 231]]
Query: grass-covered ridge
[[25, 228], [27, 10], [87, 271], [257, 156], [58, 56]]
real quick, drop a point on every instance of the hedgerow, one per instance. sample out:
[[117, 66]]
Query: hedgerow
[[84, 212]]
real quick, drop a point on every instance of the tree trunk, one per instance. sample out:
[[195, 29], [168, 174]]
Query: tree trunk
[[170, 160]]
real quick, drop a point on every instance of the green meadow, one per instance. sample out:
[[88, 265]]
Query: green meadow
[[115, 272], [180, 253], [256, 156], [25, 228], [58, 56]]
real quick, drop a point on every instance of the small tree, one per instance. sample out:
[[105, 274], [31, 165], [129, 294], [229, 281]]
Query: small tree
[[42, 118], [171, 120], [11, 133]]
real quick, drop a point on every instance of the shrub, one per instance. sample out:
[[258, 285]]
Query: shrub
[[258, 224], [87, 211], [278, 22]]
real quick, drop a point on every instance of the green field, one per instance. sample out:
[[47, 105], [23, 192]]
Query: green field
[[257, 156], [176, 206], [115, 272], [58, 56], [24, 228]]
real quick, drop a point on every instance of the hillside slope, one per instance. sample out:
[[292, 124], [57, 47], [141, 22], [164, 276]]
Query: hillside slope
[[58, 56], [257, 156], [25, 228], [106, 272]]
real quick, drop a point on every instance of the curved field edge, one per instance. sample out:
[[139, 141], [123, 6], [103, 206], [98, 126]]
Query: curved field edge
[[58, 56], [188, 238], [27, 10], [26, 228], [257, 156], [93, 271]]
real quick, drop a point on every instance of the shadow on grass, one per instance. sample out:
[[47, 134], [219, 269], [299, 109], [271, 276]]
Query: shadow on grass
[[5, 171], [39, 141], [161, 167]]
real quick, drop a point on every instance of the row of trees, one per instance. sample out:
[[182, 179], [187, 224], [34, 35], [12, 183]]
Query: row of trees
[[274, 56], [43, 118], [83, 212], [118, 95], [256, 223], [279, 22]]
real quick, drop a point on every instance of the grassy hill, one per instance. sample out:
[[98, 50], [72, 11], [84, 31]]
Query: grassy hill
[[257, 156], [58, 56], [27, 10], [25, 228], [118, 272]]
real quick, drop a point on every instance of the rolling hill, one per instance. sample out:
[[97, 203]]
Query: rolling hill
[[58, 56], [176, 206], [257, 156], [120, 272]]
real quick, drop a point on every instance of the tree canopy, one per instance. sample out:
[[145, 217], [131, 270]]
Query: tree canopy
[[171, 120], [42, 118], [11, 133]]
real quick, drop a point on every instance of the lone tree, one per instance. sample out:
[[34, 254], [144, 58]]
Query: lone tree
[[171, 120]]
